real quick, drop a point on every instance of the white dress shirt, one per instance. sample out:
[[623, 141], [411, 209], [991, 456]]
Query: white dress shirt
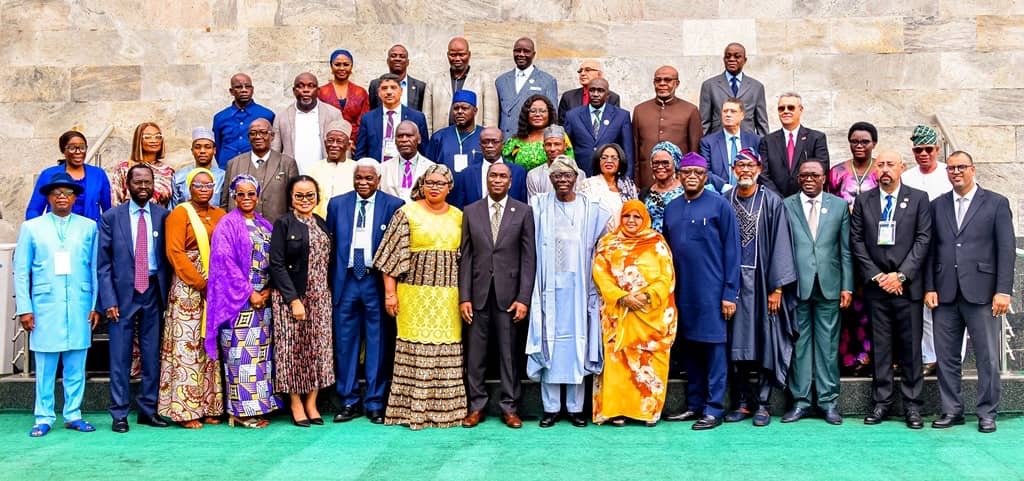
[[935, 183], [363, 238], [522, 76], [308, 143]]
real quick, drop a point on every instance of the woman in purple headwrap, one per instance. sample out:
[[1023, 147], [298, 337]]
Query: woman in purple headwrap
[[237, 307], [351, 99]]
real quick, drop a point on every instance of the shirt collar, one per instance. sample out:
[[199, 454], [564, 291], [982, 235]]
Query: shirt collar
[[804, 198], [451, 73], [369, 201], [134, 208], [969, 195], [895, 194], [313, 111], [795, 132], [729, 77], [592, 109], [256, 157], [526, 72], [503, 202]]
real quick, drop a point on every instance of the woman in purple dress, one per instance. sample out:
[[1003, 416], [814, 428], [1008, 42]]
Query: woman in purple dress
[[847, 180]]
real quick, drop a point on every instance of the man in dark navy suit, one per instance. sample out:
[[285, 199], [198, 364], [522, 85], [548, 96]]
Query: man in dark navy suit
[[378, 127], [471, 182], [783, 150], [596, 124], [133, 275], [722, 146], [358, 220]]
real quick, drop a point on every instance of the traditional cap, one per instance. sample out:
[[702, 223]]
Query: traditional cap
[[554, 130], [467, 96], [693, 159], [748, 154], [341, 51], [60, 179], [562, 163], [202, 133], [340, 125], [924, 135]]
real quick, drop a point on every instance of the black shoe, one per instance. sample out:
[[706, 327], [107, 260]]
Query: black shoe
[[684, 416], [316, 421], [878, 415], [833, 417], [548, 420], [376, 416], [794, 415], [302, 424], [739, 414], [578, 420], [986, 425], [762, 417], [347, 413], [120, 425], [913, 419], [948, 421], [706, 422], [154, 421]]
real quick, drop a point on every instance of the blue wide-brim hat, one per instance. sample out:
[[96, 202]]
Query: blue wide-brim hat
[[60, 179]]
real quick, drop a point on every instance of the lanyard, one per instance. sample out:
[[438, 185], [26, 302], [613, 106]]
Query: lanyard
[[60, 227], [461, 140]]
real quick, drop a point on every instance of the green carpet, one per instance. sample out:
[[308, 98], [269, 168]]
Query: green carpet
[[807, 450]]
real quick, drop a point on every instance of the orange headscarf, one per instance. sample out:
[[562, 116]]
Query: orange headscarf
[[645, 238]]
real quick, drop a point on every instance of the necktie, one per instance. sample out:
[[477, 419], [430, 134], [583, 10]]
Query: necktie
[[812, 218], [960, 211], [358, 254], [142, 254], [733, 152], [597, 121], [495, 222], [389, 133], [789, 149], [887, 211], [259, 162], [407, 176], [586, 97], [735, 86]]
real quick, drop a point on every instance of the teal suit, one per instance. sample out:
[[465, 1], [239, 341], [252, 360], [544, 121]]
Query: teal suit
[[824, 267]]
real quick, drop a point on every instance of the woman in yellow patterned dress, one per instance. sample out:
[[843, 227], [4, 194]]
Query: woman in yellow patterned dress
[[634, 275], [418, 258]]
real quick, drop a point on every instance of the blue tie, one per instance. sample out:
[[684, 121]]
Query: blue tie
[[735, 86], [358, 260], [887, 211], [733, 152]]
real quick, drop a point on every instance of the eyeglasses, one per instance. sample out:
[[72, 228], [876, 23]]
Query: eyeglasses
[[810, 176], [656, 164], [745, 165], [152, 136], [665, 80], [203, 186], [62, 192], [563, 176], [246, 195], [75, 149], [958, 168], [342, 142], [587, 69], [693, 172], [790, 108], [304, 196], [924, 148], [862, 143], [260, 133], [435, 184], [538, 111]]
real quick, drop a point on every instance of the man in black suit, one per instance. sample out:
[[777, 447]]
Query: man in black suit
[[890, 231], [783, 150], [496, 274], [412, 89], [969, 279], [589, 70]]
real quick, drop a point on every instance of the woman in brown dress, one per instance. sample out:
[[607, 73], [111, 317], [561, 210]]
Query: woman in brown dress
[[300, 250]]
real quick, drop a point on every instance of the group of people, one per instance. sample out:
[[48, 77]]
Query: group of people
[[584, 241]]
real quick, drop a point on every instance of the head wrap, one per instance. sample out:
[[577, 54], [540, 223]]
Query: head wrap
[[340, 125], [924, 135], [562, 163], [554, 130], [369, 162], [467, 96], [628, 247], [693, 159], [341, 51], [417, 189], [202, 133], [665, 146], [748, 154], [639, 207], [244, 179], [194, 172]]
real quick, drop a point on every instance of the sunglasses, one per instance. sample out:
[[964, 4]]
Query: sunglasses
[[246, 195], [203, 186], [697, 172], [926, 149], [785, 108]]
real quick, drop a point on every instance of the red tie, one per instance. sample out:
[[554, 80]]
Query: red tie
[[586, 96], [789, 150], [142, 254]]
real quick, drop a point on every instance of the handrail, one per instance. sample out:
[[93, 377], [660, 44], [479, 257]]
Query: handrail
[[98, 144], [950, 144]]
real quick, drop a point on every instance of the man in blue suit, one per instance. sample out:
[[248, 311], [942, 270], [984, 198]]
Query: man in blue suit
[[377, 127], [721, 147], [358, 220], [470, 183], [596, 124], [133, 294], [516, 85]]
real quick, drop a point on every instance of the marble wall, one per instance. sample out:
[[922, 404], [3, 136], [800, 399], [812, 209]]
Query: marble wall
[[89, 64]]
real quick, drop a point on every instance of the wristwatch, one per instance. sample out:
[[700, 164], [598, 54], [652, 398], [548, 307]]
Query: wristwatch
[[901, 277]]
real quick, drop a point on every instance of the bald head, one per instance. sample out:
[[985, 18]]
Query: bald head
[[305, 90], [598, 92], [240, 88], [261, 134], [407, 139], [458, 55], [523, 52], [666, 81]]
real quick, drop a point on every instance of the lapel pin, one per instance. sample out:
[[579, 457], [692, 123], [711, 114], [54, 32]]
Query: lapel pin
[[606, 122], [513, 209], [903, 205], [383, 226], [531, 80], [824, 211], [156, 234]]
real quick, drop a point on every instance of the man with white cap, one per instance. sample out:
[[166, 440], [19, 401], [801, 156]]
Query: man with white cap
[[555, 143], [204, 147], [334, 172]]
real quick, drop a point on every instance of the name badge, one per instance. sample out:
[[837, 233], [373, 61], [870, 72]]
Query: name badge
[[887, 233], [535, 88], [461, 160], [61, 263], [390, 150]]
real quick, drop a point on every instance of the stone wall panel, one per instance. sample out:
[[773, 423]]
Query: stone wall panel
[[121, 83], [34, 84], [1000, 32]]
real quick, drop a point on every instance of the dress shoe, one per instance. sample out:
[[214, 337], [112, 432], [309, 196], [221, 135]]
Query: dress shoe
[[511, 420], [707, 422], [737, 415], [833, 417], [154, 421], [684, 416], [301, 423], [986, 425], [877, 415], [578, 420], [929, 368], [913, 419], [376, 416], [548, 420], [794, 415], [472, 419], [120, 425], [347, 413], [948, 421], [316, 421], [762, 417]]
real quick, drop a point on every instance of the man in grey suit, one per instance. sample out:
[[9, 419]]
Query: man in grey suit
[[516, 85], [437, 104], [496, 275], [734, 83], [969, 279], [820, 226], [271, 168], [299, 131], [413, 90]]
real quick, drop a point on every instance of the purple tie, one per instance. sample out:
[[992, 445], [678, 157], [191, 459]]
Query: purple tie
[[407, 177], [142, 254], [390, 134]]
